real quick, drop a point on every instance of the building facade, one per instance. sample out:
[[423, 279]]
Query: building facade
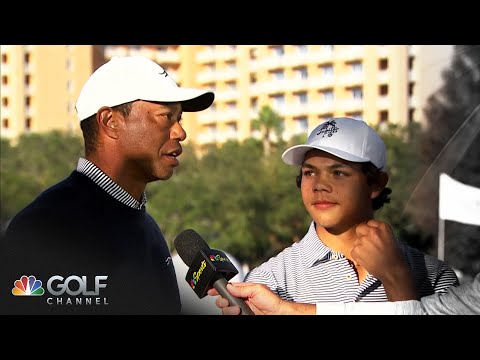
[[304, 84]]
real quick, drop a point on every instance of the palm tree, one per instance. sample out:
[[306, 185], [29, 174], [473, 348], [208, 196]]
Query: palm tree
[[268, 121]]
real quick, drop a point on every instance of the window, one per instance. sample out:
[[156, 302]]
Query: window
[[302, 49], [278, 74], [5, 101], [28, 123], [5, 123], [278, 50], [355, 115], [231, 65], [302, 97], [232, 105], [328, 95], [254, 104], [325, 117], [4, 58], [301, 124], [28, 101], [232, 85], [211, 129], [302, 72], [357, 92], [211, 86], [278, 100], [411, 61], [383, 90], [383, 126], [356, 66], [211, 67], [383, 64], [28, 79], [411, 114], [411, 88], [232, 128], [327, 70], [383, 115], [253, 53], [27, 58], [4, 79]]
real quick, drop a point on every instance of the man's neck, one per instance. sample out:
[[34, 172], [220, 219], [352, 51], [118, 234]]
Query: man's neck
[[119, 176]]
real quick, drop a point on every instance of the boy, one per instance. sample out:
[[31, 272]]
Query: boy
[[343, 181]]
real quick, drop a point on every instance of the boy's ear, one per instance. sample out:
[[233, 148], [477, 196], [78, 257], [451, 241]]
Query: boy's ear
[[379, 184], [298, 180]]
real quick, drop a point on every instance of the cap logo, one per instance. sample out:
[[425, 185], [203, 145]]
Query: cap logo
[[329, 128], [164, 73]]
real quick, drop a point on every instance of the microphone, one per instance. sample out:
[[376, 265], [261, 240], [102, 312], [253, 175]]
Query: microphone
[[207, 268]]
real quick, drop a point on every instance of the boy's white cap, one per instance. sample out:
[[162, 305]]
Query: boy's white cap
[[346, 138], [130, 78]]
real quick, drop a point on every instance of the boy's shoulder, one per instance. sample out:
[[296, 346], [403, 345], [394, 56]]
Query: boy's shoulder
[[425, 266]]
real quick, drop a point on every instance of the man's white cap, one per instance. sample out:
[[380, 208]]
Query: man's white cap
[[346, 138], [130, 78]]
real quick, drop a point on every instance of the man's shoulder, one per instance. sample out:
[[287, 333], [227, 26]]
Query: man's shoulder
[[49, 206], [46, 202]]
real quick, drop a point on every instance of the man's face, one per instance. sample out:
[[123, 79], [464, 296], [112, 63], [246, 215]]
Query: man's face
[[335, 191], [150, 140]]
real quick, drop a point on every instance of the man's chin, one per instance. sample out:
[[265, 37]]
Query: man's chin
[[163, 176]]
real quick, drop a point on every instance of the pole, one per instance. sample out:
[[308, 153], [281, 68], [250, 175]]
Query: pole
[[441, 239]]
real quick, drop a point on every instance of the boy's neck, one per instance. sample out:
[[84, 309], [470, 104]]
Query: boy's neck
[[342, 243]]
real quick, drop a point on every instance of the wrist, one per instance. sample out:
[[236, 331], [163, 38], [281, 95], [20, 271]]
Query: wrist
[[293, 308], [400, 286]]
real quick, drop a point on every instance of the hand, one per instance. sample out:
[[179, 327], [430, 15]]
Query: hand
[[378, 251], [260, 299], [376, 248]]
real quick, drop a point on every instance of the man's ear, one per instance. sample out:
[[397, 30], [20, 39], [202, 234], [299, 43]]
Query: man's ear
[[379, 184], [108, 122]]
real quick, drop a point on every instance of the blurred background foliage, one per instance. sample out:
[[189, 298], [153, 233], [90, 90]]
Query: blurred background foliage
[[235, 196]]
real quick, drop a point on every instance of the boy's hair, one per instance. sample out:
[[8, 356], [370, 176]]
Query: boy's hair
[[371, 172]]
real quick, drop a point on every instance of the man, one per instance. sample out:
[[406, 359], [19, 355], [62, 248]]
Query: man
[[343, 181], [89, 238]]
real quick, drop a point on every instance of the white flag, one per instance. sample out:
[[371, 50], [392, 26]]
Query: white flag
[[458, 202]]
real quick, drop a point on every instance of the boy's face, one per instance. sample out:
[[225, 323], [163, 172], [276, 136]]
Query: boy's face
[[335, 192]]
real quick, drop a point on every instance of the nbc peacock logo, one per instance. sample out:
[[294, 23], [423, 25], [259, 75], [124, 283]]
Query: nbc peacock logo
[[28, 286]]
